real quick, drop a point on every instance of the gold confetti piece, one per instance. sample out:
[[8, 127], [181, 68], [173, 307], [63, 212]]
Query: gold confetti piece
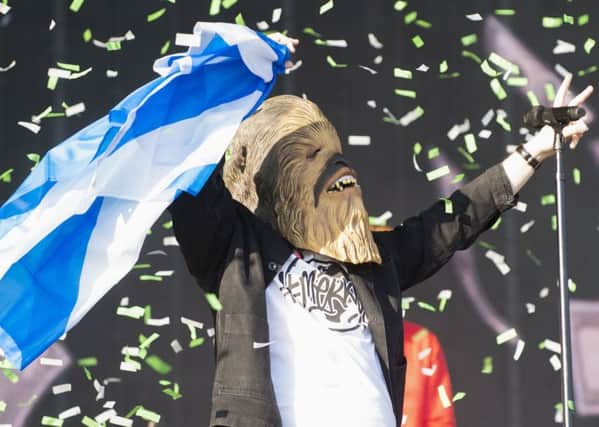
[[488, 70], [448, 206], [589, 44], [402, 74], [405, 93], [471, 55], [568, 19], [437, 173], [487, 365], [506, 336], [470, 141], [150, 277], [6, 176], [548, 199], [400, 5], [583, 20], [423, 24], [76, 5], [576, 176], [87, 35], [87, 361], [505, 12], [418, 42], [503, 63], [326, 7], [443, 67], [459, 396], [213, 301], [426, 306], [157, 364], [165, 47], [51, 421], [148, 415], [552, 21], [433, 152], [70, 67], [227, 4], [155, 15], [517, 81], [410, 17], [469, 39], [196, 342]]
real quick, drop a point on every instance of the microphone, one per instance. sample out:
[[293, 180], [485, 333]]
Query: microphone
[[539, 116]]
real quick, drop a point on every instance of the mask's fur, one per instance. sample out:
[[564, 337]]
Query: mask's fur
[[274, 169]]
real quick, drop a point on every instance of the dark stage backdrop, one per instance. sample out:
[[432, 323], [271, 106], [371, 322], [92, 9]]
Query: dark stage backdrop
[[360, 98]]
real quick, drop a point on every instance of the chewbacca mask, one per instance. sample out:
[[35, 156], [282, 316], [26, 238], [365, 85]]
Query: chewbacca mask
[[287, 167]]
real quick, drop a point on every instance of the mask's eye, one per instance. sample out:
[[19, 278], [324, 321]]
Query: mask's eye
[[313, 154]]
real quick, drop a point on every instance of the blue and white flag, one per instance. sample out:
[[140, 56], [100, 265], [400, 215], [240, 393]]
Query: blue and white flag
[[76, 225]]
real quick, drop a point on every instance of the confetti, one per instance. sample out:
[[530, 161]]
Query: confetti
[[213, 301], [506, 336], [519, 350], [445, 402], [62, 388], [498, 89], [548, 199], [474, 17], [405, 93], [9, 66], [402, 74], [589, 44], [358, 140], [334, 64], [155, 15], [437, 173], [583, 20], [227, 4], [47, 361], [418, 42], [157, 364], [458, 129], [76, 5], [276, 15], [400, 5], [75, 109], [326, 7], [527, 226], [576, 176], [555, 362], [487, 365], [374, 42], [563, 47], [505, 12], [148, 415], [552, 21], [498, 260], [6, 176], [50, 421], [443, 297], [469, 40], [68, 413], [459, 396], [411, 116]]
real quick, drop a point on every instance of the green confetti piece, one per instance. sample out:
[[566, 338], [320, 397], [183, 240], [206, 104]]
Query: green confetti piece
[[533, 257], [471, 55], [532, 98], [133, 411], [589, 44], [485, 245], [417, 148], [496, 224], [487, 365], [488, 70], [137, 266], [583, 19], [586, 71], [405, 93], [517, 81], [311, 32], [423, 24], [87, 35], [410, 17], [469, 39], [334, 64], [448, 207], [458, 396], [503, 63], [146, 342], [150, 278], [113, 45], [214, 7], [548, 199], [571, 286], [505, 12], [196, 342], [6, 176], [10, 375], [34, 157], [466, 155], [159, 365], [51, 421], [148, 415], [549, 91], [568, 19], [418, 42], [458, 178], [76, 5], [552, 21], [554, 222], [449, 76], [498, 89], [326, 7], [52, 81], [165, 47], [71, 67], [433, 152], [213, 301], [400, 5], [239, 19], [155, 15], [443, 67], [89, 422], [87, 361], [501, 121], [2, 406], [576, 176], [420, 334], [401, 73], [437, 173], [227, 4], [87, 372], [470, 141]]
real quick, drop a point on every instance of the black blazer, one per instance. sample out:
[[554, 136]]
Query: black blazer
[[233, 253]]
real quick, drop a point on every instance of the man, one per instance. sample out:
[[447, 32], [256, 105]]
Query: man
[[311, 323]]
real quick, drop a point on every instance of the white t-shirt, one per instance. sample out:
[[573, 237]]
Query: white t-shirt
[[324, 366]]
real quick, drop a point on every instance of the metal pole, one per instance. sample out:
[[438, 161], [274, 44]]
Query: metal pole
[[564, 303]]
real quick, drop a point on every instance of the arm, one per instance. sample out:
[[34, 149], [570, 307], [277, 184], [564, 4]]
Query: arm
[[203, 226]]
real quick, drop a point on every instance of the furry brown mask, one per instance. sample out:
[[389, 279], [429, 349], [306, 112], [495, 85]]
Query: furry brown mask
[[286, 166]]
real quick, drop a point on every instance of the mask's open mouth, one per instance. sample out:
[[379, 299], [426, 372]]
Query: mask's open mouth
[[342, 180]]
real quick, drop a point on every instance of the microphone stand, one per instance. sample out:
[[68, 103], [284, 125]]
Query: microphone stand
[[564, 300]]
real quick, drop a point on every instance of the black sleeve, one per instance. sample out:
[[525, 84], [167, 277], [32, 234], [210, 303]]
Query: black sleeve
[[424, 243], [203, 226]]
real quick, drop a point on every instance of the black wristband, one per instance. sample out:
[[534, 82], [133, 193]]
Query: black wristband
[[534, 163]]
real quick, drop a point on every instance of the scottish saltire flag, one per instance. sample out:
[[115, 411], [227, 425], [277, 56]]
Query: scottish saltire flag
[[76, 225]]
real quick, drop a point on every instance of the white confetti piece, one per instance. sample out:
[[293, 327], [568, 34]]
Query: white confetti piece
[[561, 70], [498, 260], [474, 17], [188, 40], [99, 389], [374, 42], [429, 372], [552, 346], [370, 70], [61, 388], [52, 24], [371, 103], [295, 66], [411, 116], [176, 346], [165, 273], [157, 252], [130, 351], [111, 74], [485, 134], [121, 421], [102, 417], [59, 73], [124, 301], [438, 173], [210, 332], [71, 412], [423, 354], [335, 43], [527, 226], [276, 15], [47, 361], [555, 362], [163, 321], [257, 345], [530, 308], [4, 8], [135, 312], [458, 129], [109, 404], [30, 126], [423, 68], [506, 336], [521, 207], [378, 59], [75, 109], [262, 25], [543, 293], [9, 66], [519, 350], [191, 322], [563, 47], [358, 140], [487, 117], [443, 396], [129, 366], [170, 241]]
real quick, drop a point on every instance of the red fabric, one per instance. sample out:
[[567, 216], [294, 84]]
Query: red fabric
[[422, 405]]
